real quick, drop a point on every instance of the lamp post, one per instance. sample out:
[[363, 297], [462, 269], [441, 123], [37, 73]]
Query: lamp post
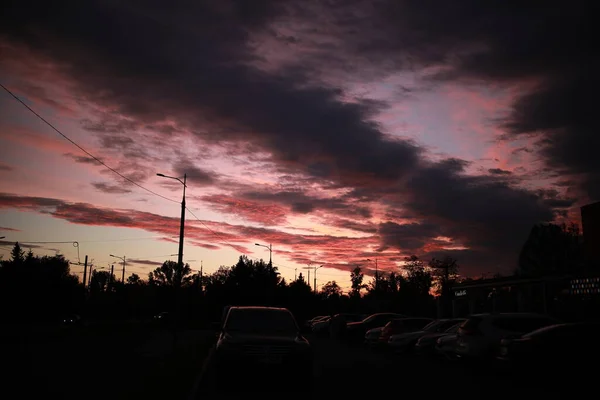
[[123, 260], [270, 252], [182, 223], [376, 273], [315, 277]]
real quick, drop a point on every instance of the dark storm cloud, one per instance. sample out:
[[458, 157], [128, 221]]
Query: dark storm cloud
[[407, 237], [550, 43], [108, 188], [302, 203], [190, 62], [194, 173], [499, 171]]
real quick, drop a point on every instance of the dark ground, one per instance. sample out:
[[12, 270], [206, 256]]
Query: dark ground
[[139, 363]]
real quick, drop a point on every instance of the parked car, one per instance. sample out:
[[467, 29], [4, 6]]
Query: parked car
[[426, 343], [372, 337], [445, 346], [555, 348], [480, 335], [321, 326], [264, 341], [355, 331], [406, 341], [402, 325]]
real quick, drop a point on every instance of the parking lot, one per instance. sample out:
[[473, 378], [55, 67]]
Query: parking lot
[[349, 370]]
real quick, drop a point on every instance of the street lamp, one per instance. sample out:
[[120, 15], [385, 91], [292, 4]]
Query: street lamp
[[182, 223], [315, 278], [122, 259], [376, 272], [270, 251]]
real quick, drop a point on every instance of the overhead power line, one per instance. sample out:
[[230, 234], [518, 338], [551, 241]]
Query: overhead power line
[[84, 150], [117, 173]]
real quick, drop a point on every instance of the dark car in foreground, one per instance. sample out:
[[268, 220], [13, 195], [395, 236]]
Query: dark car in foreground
[[561, 348], [262, 345]]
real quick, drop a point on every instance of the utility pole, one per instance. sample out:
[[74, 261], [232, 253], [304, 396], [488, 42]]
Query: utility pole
[[308, 280], [89, 282], [201, 274], [376, 274], [123, 275], [315, 277], [110, 279], [123, 261], [182, 224], [85, 274], [295, 270]]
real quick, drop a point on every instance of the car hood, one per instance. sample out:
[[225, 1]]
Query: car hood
[[448, 337], [259, 338], [351, 325]]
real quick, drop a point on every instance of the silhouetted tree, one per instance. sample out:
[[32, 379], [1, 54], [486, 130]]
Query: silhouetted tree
[[445, 274], [331, 289], [171, 274], [134, 279], [552, 250], [356, 279], [100, 281], [17, 255]]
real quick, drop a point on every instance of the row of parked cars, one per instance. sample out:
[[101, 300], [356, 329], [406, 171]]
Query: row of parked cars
[[510, 339]]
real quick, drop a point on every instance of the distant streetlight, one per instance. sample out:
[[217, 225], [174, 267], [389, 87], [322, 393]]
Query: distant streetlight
[[376, 272], [315, 278], [270, 251], [182, 222], [122, 259]]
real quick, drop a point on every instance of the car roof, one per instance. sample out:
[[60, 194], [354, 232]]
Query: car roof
[[258, 308], [487, 315]]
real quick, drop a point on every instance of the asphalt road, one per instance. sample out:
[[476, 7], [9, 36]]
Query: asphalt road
[[351, 371]]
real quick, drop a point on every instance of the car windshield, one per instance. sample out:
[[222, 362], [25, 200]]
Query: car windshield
[[381, 318], [262, 321]]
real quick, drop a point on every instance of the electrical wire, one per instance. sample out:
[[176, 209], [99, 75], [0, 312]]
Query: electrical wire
[[117, 173], [84, 150]]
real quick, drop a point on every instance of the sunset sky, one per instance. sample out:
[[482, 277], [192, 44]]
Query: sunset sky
[[338, 131]]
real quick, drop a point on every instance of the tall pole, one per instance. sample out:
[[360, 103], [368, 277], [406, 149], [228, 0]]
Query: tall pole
[[110, 279], [308, 280], [376, 274], [123, 274], [315, 277], [270, 254], [85, 273], [295, 270], [182, 225]]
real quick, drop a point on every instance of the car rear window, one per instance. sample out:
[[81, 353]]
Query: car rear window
[[260, 321], [521, 324]]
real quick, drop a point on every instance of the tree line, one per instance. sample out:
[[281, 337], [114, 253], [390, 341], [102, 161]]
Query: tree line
[[42, 288]]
